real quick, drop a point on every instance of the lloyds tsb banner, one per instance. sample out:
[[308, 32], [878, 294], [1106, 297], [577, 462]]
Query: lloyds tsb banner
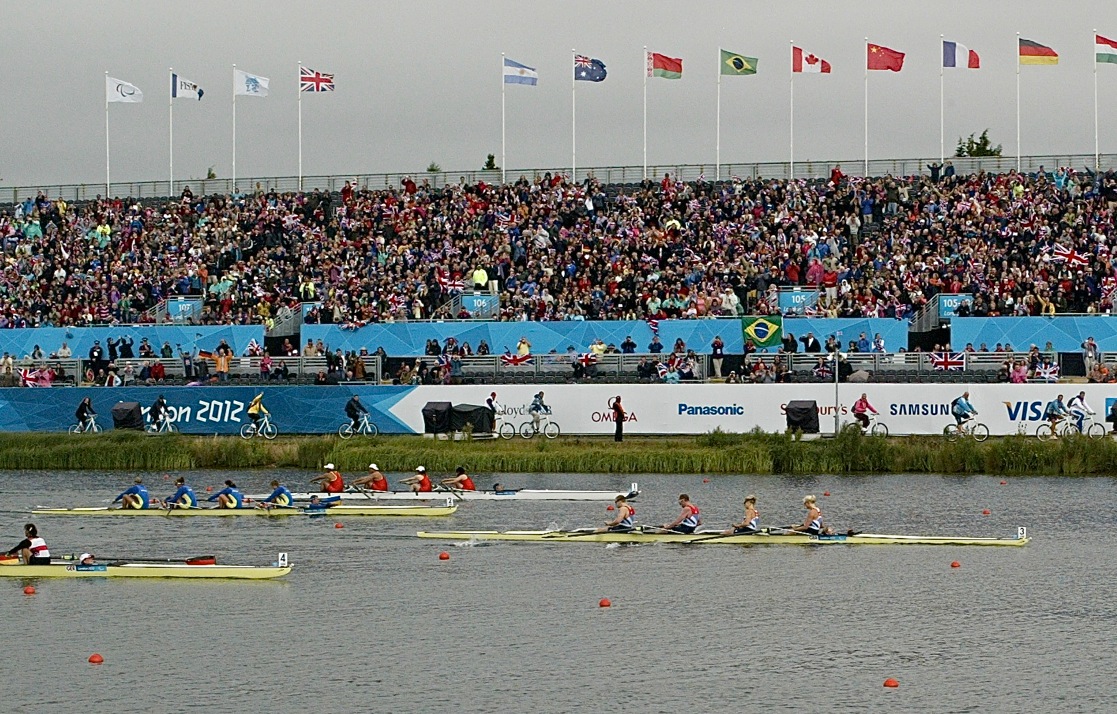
[[762, 331]]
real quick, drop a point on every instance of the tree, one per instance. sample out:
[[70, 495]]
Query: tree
[[981, 146], [490, 164], [434, 168]]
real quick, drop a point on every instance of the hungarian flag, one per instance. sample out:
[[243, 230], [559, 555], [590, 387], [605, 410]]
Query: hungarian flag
[[881, 57], [1105, 49], [802, 61], [1035, 53], [664, 66]]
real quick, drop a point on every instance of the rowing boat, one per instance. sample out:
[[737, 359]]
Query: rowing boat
[[716, 538], [523, 494], [70, 569], [277, 511]]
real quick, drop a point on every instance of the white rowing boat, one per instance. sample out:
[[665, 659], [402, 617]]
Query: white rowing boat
[[440, 494]]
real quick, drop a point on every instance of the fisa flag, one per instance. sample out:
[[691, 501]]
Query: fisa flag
[[184, 88], [516, 73], [252, 85]]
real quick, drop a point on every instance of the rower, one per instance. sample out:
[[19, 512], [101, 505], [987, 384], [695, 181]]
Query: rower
[[32, 549], [331, 481], [319, 505], [501, 488], [280, 496], [461, 481], [751, 524], [420, 482], [812, 524], [86, 559], [228, 497], [689, 519], [184, 497], [136, 497], [374, 481], [623, 523]]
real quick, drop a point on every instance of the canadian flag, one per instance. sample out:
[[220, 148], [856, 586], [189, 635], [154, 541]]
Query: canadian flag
[[806, 62]]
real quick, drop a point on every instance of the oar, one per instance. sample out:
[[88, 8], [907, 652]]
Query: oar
[[363, 491], [119, 559], [572, 534], [456, 492], [722, 535]]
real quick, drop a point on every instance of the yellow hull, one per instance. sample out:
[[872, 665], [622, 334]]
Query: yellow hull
[[279, 511], [145, 570], [714, 538]]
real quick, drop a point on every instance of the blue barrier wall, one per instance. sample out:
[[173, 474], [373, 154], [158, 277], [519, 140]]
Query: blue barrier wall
[[1066, 333], [205, 410], [409, 338], [80, 339]]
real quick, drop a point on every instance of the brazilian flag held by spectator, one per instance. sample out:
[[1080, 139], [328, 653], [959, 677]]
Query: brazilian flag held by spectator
[[763, 331]]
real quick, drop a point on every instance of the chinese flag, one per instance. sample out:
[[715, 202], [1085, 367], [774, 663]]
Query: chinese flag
[[884, 58]]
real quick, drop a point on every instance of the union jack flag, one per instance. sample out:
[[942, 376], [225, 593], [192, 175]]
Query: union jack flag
[[662, 369], [29, 378], [822, 371], [653, 325], [1073, 258], [1048, 372], [445, 361], [511, 360], [253, 349], [948, 361], [313, 81], [587, 358], [449, 283]]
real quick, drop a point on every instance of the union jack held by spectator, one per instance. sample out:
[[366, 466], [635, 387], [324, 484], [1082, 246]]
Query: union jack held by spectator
[[948, 361]]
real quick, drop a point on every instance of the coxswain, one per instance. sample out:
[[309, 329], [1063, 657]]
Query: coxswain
[[280, 496], [420, 482], [228, 497], [331, 481], [751, 523], [374, 481], [623, 523], [136, 497], [812, 524], [32, 549], [461, 481], [689, 519], [183, 498]]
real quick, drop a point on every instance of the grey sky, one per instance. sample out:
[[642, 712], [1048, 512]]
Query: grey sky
[[421, 82]]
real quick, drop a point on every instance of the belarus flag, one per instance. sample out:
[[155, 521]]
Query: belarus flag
[[806, 62], [956, 55]]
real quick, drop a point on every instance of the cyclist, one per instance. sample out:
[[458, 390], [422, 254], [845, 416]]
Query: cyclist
[[962, 410], [354, 409], [255, 408], [861, 410], [492, 403], [85, 414], [1054, 412], [158, 412], [537, 408], [1079, 408]]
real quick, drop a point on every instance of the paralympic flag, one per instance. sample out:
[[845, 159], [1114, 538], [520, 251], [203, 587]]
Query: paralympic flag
[[117, 90], [957, 55]]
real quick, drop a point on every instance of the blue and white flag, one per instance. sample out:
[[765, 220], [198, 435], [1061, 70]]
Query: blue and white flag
[[117, 90], [516, 73], [184, 88], [251, 85]]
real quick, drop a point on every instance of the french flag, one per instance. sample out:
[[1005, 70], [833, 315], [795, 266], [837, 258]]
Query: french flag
[[956, 55]]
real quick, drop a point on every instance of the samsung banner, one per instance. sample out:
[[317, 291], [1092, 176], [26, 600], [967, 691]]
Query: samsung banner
[[577, 409]]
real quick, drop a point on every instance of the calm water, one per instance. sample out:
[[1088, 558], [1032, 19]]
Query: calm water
[[371, 620]]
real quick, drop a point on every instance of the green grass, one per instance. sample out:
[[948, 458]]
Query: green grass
[[713, 453]]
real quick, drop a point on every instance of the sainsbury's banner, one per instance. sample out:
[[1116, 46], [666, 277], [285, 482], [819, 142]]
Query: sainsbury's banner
[[653, 409]]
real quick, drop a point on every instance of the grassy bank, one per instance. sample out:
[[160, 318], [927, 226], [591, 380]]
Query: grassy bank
[[709, 453]]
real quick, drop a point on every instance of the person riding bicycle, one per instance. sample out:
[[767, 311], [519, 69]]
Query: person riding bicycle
[[85, 413], [861, 410], [158, 412], [962, 410], [354, 409], [255, 408], [1079, 409], [1054, 412], [537, 408]]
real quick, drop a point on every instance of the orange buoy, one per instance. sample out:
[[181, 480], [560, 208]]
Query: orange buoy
[[29, 590], [986, 512], [96, 659], [955, 564], [605, 602], [443, 556], [209, 488], [826, 493], [1004, 483], [610, 507], [891, 683], [705, 480], [339, 525]]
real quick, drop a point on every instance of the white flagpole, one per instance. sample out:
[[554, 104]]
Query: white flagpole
[[234, 128], [503, 146], [646, 66], [171, 135], [300, 126], [1017, 102], [1097, 154], [108, 177], [942, 125], [573, 121], [717, 150], [866, 173], [791, 118]]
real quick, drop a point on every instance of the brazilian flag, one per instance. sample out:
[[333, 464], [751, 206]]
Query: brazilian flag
[[735, 64], [763, 331]]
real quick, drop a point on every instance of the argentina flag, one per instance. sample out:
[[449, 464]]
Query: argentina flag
[[516, 73]]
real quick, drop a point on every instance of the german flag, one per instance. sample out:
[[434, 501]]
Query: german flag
[[1035, 53]]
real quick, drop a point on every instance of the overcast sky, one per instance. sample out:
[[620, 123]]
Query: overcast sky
[[421, 82]]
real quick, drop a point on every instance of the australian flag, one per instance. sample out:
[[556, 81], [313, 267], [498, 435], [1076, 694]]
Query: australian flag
[[587, 69]]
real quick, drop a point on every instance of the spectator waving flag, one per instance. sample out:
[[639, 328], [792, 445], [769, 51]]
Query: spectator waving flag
[[445, 361], [588, 69], [510, 360], [653, 325], [314, 81], [587, 358], [1072, 257], [1048, 372], [29, 378], [253, 349], [947, 361]]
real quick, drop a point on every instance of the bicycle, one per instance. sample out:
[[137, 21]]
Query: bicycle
[[262, 428], [366, 427], [547, 427], [1091, 427], [88, 426], [975, 429], [164, 426], [504, 429], [876, 427], [1063, 426]]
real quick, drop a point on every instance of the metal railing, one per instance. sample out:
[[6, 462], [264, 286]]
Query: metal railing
[[562, 366], [808, 169], [915, 362]]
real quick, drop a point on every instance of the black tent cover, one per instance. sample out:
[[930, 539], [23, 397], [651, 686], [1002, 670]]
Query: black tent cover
[[803, 415], [127, 415]]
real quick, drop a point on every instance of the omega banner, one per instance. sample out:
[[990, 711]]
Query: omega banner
[[578, 409]]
